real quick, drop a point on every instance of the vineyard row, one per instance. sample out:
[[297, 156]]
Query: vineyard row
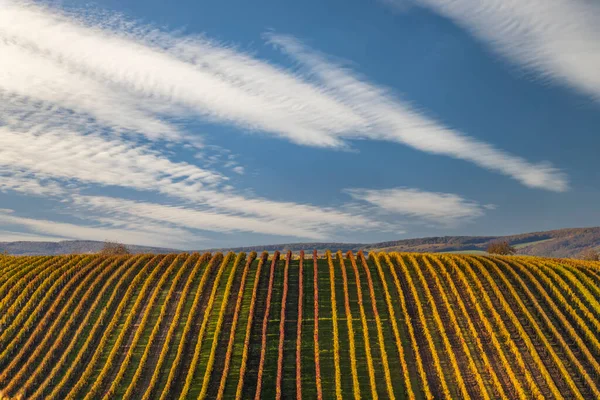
[[330, 325]]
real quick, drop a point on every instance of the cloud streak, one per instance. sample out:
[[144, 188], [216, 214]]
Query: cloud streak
[[559, 39], [145, 74], [40, 160], [144, 213], [54, 230], [90, 102], [438, 208], [93, 159], [392, 120]]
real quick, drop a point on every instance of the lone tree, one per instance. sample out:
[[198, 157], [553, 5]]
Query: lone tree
[[501, 247], [114, 249], [590, 255]]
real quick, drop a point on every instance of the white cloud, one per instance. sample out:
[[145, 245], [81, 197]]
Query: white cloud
[[145, 213], [91, 158], [147, 236], [96, 102], [560, 39], [393, 120], [128, 77], [439, 208], [31, 75], [181, 73], [65, 156], [231, 213], [8, 236], [12, 180]]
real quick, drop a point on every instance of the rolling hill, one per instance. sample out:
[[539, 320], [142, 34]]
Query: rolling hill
[[32, 248], [557, 243], [382, 325]]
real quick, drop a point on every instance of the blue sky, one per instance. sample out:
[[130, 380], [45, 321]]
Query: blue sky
[[205, 124]]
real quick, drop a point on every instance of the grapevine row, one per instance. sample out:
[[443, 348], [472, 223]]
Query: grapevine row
[[392, 317], [539, 334], [497, 386], [205, 319], [186, 335], [65, 322], [380, 338], [282, 326], [555, 333], [572, 295], [299, 327], [454, 323], [365, 327], [336, 335], [157, 325], [37, 315], [411, 331], [15, 279], [111, 362], [24, 308], [198, 261], [426, 332], [263, 346], [236, 315], [198, 326], [505, 307], [217, 332], [503, 334], [90, 347], [240, 386], [146, 312], [581, 325], [316, 327], [25, 281], [440, 328]]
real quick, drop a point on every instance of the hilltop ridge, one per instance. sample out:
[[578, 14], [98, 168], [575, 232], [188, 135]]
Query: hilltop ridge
[[556, 243], [569, 242]]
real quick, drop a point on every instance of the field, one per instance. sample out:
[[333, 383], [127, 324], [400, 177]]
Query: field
[[385, 325]]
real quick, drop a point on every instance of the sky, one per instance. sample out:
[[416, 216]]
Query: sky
[[201, 124]]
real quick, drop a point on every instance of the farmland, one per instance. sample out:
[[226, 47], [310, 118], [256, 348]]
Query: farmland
[[327, 325]]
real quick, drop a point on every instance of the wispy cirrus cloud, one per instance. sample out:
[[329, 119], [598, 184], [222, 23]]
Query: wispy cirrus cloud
[[92, 158], [146, 74], [50, 160], [90, 102], [43, 229], [25, 183], [559, 39], [181, 74], [433, 207], [43, 159], [393, 120], [189, 218]]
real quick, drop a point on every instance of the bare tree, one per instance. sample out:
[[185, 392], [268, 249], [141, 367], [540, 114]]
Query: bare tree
[[501, 247], [114, 248], [590, 255]]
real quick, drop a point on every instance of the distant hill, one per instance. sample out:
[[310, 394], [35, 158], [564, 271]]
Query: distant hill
[[558, 243], [69, 247]]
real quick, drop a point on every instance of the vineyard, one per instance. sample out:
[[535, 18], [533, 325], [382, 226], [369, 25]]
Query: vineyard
[[271, 326]]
